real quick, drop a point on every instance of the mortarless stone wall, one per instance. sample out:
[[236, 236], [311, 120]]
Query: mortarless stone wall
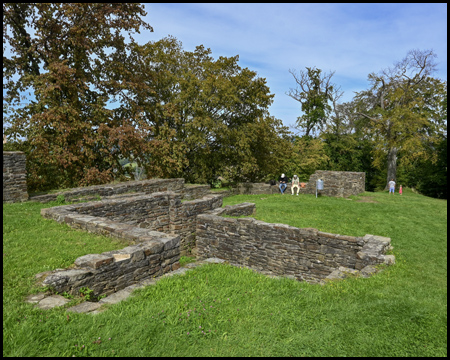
[[161, 211], [155, 254], [336, 183], [125, 188], [158, 225], [14, 177], [305, 254]]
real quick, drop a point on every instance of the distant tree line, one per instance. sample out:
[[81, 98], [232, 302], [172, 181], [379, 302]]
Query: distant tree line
[[396, 129], [82, 98]]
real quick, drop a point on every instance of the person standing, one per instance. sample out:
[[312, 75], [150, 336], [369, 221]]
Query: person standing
[[400, 190], [391, 186], [295, 184], [283, 183]]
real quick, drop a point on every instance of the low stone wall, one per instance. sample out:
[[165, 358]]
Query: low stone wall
[[143, 186], [195, 191], [111, 271], [336, 183], [305, 254], [161, 211], [159, 225], [14, 177], [254, 189]]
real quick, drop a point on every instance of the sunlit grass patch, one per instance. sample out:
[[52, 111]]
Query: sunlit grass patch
[[221, 310]]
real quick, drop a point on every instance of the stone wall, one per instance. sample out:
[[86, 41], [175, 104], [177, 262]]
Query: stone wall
[[158, 225], [111, 271], [14, 177], [129, 187], [195, 191], [336, 183], [161, 211], [305, 254], [183, 218]]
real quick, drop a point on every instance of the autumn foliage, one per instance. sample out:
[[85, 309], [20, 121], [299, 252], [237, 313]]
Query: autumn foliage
[[179, 113]]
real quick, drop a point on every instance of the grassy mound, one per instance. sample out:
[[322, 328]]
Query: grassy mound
[[219, 310]]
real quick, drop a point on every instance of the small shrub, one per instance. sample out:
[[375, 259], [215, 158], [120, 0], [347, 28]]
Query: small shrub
[[60, 199]]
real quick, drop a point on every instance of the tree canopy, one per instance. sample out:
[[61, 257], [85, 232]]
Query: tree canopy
[[64, 58], [399, 122], [98, 97], [82, 98]]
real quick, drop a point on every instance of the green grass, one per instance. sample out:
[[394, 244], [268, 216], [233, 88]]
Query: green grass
[[401, 311]]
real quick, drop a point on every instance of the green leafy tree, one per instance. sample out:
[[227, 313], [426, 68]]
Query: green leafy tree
[[427, 169], [350, 152], [395, 107], [66, 59], [314, 91], [210, 110], [305, 157]]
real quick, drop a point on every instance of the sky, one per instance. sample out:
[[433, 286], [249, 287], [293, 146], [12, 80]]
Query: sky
[[353, 40]]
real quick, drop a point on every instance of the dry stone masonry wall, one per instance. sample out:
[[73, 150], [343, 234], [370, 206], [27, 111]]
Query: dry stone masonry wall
[[158, 225], [161, 211], [305, 254], [336, 183], [117, 190], [109, 272], [14, 177]]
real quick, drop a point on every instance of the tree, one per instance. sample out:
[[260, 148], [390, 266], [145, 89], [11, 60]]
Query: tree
[[306, 155], [314, 91], [395, 108], [213, 111], [427, 170], [66, 59]]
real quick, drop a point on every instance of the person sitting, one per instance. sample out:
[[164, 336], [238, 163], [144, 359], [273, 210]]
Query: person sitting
[[283, 183], [295, 184]]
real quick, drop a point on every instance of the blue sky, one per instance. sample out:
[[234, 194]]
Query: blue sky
[[353, 40]]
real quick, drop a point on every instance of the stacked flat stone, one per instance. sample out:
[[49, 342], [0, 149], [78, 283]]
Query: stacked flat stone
[[336, 183], [14, 177], [301, 253], [142, 186], [111, 271]]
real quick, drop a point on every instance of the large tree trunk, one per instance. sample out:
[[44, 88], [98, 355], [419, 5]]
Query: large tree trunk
[[391, 165]]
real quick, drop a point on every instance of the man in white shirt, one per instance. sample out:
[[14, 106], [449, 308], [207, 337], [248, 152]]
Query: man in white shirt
[[391, 186]]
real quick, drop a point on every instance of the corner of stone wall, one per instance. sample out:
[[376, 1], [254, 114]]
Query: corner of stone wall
[[374, 252], [112, 271]]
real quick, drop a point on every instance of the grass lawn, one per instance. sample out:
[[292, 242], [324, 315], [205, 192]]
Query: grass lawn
[[220, 310]]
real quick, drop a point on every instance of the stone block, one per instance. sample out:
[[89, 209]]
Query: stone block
[[34, 298], [135, 252], [84, 307], [121, 257], [52, 301], [389, 259], [115, 297], [152, 247], [94, 261], [170, 242]]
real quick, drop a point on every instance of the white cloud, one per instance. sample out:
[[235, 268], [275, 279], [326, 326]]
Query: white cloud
[[351, 39]]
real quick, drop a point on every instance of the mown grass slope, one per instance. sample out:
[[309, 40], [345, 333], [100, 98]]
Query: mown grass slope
[[220, 310]]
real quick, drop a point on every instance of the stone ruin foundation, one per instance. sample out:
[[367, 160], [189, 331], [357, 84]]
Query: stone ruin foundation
[[336, 183], [305, 254], [160, 228]]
